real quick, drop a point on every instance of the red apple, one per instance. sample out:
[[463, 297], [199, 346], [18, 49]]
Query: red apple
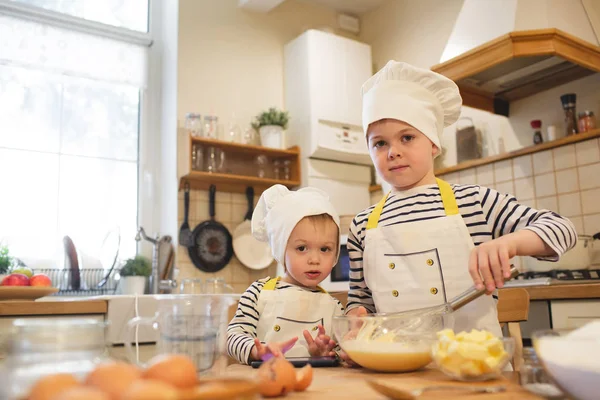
[[40, 280], [15, 280]]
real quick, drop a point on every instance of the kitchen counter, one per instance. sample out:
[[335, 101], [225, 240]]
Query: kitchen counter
[[53, 307], [345, 383], [564, 291], [557, 290]]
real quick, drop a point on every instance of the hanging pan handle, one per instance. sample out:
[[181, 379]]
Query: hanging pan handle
[[211, 201]]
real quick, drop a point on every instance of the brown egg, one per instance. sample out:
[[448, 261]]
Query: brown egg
[[304, 378], [147, 389], [175, 369], [48, 387], [277, 377], [113, 378], [82, 393]]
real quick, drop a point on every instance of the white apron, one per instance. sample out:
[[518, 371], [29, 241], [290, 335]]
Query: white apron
[[425, 263], [285, 314]]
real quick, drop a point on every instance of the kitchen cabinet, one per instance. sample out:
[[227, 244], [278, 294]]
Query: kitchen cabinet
[[517, 65], [335, 69], [573, 314]]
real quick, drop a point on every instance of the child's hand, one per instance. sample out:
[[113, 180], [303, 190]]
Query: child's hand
[[491, 261], [269, 350], [321, 346]]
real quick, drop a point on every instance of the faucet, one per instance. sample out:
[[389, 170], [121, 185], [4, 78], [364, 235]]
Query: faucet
[[154, 277]]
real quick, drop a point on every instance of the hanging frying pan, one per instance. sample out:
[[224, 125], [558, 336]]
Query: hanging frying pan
[[211, 247], [253, 253]]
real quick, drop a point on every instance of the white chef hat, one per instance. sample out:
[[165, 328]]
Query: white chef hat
[[420, 97], [279, 210]]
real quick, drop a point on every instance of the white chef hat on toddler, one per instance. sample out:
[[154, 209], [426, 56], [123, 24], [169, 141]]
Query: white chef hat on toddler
[[279, 210], [422, 98]]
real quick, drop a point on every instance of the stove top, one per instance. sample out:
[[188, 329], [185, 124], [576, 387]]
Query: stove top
[[563, 275], [555, 277]]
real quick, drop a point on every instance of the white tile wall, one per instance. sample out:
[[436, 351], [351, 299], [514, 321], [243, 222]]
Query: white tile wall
[[545, 185], [503, 171], [567, 180], [591, 224], [564, 157], [589, 176], [543, 162], [485, 174], [547, 203], [523, 166], [589, 201], [506, 187], [569, 205], [524, 188], [587, 152]]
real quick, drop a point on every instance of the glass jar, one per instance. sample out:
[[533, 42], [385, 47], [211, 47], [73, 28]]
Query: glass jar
[[587, 121], [193, 124], [211, 127], [569, 101], [42, 347], [534, 378]]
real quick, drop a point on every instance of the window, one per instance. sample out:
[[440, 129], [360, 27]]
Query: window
[[72, 81]]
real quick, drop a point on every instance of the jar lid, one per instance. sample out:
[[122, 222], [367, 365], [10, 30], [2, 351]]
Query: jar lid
[[536, 124], [192, 115], [56, 334]]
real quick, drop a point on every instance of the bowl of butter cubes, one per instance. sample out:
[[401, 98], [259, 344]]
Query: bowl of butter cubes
[[477, 355]]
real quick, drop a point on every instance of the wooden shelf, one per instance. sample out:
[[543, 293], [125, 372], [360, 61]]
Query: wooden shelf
[[518, 65], [201, 180], [242, 170], [580, 137], [247, 148]]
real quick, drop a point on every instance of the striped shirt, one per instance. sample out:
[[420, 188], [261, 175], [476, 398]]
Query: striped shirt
[[242, 328], [487, 214]]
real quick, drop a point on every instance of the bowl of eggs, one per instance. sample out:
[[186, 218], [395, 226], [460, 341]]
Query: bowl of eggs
[[477, 355]]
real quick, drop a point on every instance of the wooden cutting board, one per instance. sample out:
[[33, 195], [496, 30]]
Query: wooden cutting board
[[345, 383]]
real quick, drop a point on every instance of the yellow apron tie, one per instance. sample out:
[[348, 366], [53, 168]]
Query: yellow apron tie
[[271, 283], [448, 199]]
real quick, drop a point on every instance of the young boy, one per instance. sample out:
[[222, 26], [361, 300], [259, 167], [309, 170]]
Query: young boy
[[290, 315], [427, 241]]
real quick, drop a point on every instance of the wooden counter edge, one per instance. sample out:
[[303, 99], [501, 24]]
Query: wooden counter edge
[[561, 291], [564, 291], [27, 308]]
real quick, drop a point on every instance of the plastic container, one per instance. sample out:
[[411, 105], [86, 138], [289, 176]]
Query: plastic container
[[535, 379], [42, 347]]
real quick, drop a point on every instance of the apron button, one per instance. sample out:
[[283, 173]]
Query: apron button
[[395, 293], [430, 262], [276, 328], [433, 290], [392, 265]]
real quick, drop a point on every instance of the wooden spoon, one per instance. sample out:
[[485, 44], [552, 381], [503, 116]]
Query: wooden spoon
[[397, 393]]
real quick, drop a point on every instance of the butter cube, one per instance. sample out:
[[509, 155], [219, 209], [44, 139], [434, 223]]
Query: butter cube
[[472, 351], [476, 336], [471, 368], [446, 334], [494, 347]]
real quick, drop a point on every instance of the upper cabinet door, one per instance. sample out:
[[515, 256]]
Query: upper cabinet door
[[358, 69], [327, 84]]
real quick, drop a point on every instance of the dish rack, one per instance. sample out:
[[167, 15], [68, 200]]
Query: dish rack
[[90, 280]]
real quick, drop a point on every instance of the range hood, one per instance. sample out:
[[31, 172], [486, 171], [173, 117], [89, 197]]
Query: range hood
[[505, 50]]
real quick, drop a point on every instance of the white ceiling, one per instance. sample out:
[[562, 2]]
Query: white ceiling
[[356, 7]]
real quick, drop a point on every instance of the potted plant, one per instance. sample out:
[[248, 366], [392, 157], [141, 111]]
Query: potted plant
[[134, 274], [271, 124], [5, 261]]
